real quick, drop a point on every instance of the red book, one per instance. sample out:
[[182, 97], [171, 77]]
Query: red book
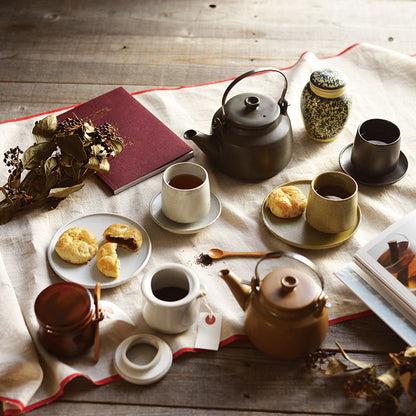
[[149, 145]]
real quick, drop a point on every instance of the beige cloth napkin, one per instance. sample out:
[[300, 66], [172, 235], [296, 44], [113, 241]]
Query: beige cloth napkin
[[383, 85]]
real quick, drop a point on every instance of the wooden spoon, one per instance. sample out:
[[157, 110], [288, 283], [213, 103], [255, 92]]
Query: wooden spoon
[[97, 296], [216, 253]]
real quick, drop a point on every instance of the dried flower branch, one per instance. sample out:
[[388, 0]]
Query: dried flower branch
[[385, 390], [55, 166]]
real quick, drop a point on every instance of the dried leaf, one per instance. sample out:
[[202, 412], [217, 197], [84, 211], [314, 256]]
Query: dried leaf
[[51, 180], [50, 165], [405, 379], [72, 171], [410, 352], [358, 363], [36, 153], [104, 166], [335, 367], [117, 146], [6, 214], [96, 165], [390, 377], [71, 145], [44, 129], [64, 192]]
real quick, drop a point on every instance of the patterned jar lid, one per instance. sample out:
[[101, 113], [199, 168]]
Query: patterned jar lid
[[328, 83]]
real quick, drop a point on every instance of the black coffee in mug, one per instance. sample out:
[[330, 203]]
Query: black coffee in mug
[[185, 181], [170, 293], [334, 192]]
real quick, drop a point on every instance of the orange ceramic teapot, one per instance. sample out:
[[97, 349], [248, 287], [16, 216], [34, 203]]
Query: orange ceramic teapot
[[285, 313]]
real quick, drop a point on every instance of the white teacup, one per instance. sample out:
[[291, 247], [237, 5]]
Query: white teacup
[[171, 294], [186, 196]]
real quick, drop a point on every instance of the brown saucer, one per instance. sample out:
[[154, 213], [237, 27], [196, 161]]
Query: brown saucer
[[388, 179]]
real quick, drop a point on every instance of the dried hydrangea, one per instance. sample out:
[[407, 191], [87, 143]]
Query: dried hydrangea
[[55, 166], [384, 390]]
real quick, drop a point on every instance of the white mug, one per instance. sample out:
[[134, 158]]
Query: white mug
[[186, 196], [171, 294]]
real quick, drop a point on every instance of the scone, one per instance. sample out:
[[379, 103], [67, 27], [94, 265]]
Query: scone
[[77, 245], [124, 235], [107, 261], [287, 201]]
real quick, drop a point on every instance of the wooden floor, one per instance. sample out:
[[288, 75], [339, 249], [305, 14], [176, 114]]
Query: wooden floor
[[54, 54]]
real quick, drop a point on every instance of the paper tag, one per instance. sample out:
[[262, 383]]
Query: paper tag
[[112, 311], [209, 331]]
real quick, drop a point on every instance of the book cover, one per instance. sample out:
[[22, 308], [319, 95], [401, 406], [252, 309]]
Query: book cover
[[149, 145]]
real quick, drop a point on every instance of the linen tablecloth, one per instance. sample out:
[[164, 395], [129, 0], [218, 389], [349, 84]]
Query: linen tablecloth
[[383, 85]]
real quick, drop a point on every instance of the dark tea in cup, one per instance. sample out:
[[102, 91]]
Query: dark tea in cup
[[170, 293], [185, 181], [333, 192]]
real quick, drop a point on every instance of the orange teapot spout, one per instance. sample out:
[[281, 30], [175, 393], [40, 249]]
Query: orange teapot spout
[[240, 290]]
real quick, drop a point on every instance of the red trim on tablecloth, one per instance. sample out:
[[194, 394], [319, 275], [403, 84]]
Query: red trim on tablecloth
[[20, 407], [348, 317]]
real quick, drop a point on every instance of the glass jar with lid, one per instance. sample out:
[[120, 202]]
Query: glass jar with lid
[[66, 315]]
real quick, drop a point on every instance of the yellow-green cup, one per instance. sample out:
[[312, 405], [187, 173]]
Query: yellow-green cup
[[332, 202]]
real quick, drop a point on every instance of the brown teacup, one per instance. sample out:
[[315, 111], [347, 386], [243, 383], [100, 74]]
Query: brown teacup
[[332, 202], [376, 148]]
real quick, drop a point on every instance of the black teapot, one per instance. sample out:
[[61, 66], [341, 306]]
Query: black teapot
[[251, 134]]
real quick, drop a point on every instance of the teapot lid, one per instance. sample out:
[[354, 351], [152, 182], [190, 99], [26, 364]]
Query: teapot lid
[[289, 292], [251, 111]]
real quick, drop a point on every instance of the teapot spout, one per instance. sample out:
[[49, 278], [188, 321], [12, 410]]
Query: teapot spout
[[240, 290], [205, 142]]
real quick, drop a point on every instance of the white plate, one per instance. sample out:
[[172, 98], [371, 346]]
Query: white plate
[[88, 274], [175, 227]]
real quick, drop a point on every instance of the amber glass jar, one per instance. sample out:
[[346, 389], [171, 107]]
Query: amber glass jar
[[65, 313]]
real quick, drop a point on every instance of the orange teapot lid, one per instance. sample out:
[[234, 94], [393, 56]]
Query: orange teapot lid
[[290, 292]]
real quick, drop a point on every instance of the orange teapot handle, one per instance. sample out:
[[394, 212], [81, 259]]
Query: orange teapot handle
[[282, 102], [255, 282]]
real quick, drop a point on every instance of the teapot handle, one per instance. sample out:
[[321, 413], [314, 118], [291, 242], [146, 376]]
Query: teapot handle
[[255, 282], [282, 102]]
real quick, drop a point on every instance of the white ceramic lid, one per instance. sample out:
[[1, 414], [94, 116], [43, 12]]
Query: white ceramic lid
[[143, 359]]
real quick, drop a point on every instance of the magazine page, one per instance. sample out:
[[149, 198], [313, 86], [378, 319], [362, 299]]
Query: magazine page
[[384, 306], [390, 259]]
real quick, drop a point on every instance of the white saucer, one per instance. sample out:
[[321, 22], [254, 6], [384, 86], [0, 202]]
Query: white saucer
[[175, 227], [143, 359], [88, 274]]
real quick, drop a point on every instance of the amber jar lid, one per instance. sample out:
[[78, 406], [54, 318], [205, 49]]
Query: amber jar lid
[[63, 305]]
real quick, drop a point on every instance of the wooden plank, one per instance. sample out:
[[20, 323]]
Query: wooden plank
[[249, 380]]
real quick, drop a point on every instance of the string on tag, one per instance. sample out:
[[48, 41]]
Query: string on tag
[[210, 319]]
